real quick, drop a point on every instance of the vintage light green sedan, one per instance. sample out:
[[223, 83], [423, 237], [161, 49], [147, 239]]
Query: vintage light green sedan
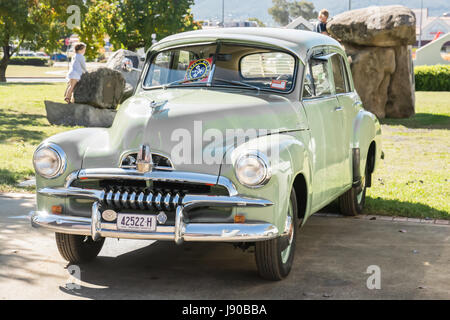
[[232, 135]]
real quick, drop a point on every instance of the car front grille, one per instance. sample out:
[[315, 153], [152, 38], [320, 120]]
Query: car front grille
[[141, 199]]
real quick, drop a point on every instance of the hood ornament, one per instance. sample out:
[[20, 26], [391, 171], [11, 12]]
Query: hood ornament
[[157, 106], [144, 161]]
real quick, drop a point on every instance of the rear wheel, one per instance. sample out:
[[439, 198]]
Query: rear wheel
[[78, 249], [352, 202], [274, 258]]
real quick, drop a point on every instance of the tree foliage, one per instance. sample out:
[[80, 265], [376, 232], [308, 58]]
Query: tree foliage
[[258, 22], [284, 11], [36, 23], [131, 23]]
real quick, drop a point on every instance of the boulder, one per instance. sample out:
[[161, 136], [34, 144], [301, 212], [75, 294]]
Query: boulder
[[115, 63], [401, 94], [127, 93], [102, 88], [372, 69], [385, 26], [78, 115]]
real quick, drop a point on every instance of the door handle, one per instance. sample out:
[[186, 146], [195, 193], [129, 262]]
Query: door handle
[[338, 108], [357, 104]]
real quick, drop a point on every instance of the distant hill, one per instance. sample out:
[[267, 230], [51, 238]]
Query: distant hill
[[244, 9]]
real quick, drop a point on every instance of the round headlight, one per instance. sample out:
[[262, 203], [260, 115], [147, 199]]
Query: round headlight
[[49, 161], [253, 169]]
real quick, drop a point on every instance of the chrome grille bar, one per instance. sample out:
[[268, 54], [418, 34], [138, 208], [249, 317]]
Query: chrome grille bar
[[141, 200]]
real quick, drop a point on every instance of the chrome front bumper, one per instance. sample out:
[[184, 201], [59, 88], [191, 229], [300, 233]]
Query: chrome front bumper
[[181, 231]]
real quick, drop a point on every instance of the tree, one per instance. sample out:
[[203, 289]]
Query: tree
[[284, 11], [131, 23], [258, 22], [38, 23]]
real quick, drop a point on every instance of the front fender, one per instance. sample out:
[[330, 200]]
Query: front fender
[[74, 143], [288, 157]]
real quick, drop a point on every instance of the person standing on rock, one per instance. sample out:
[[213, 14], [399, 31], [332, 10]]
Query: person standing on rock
[[77, 68], [321, 24]]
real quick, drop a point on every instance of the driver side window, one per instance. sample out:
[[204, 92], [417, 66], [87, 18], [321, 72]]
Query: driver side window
[[321, 77], [317, 81]]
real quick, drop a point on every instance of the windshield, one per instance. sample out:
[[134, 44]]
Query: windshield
[[222, 64]]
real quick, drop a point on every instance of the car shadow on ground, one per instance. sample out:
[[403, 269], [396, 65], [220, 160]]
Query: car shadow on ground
[[331, 261], [164, 270]]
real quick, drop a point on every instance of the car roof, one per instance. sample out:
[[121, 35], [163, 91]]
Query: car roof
[[295, 41]]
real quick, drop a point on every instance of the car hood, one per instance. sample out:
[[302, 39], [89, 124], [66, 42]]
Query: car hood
[[195, 126]]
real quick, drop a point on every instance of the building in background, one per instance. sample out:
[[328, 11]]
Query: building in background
[[300, 24], [431, 26], [211, 24]]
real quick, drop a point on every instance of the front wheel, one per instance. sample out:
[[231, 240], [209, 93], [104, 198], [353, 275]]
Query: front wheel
[[274, 258], [78, 249]]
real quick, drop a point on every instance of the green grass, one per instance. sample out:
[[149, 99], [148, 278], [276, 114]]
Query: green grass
[[23, 125], [412, 180], [35, 72]]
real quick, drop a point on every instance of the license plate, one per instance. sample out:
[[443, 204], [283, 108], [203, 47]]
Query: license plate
[[136, 222]]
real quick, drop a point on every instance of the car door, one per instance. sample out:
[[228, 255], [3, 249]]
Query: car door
[[325, 118], [347, 100]]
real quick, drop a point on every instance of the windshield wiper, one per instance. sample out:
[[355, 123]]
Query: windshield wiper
[[183, 81], [238, 83]]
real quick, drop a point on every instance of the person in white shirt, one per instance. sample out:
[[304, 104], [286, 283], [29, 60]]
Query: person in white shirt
[[77, 68]]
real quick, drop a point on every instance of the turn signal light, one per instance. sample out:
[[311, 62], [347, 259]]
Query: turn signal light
[[56, 209], [239, 218]]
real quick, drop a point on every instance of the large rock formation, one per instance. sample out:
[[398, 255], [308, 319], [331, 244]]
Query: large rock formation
[[376, 40], [78, 115], [115, 62], [102, 88]]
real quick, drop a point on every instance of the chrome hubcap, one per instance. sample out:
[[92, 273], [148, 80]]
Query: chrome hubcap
[[360, 195], [286, 252]]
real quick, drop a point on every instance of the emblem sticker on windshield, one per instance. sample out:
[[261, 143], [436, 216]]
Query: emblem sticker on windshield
[[199, 70], [278, 84]]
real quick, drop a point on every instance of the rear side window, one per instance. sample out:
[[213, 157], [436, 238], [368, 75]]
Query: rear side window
[[338, 74]]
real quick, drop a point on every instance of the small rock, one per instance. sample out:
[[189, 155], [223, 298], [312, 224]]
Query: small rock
[[421, 287], [415, 251], [402, 231], [373, 218], [326, 295]]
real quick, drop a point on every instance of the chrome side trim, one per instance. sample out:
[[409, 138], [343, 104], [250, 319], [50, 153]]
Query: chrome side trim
[[73, 192], [63, 224], [164, 176]]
